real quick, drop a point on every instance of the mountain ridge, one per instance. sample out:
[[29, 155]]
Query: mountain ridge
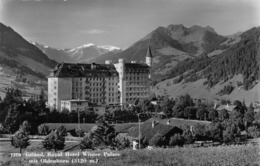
[[170, 45], [83, 53]]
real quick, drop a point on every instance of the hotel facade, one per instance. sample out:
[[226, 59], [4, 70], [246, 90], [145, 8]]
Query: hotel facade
[[103, 84]]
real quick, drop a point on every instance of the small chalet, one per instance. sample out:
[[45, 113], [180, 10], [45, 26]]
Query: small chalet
[[149, 129]]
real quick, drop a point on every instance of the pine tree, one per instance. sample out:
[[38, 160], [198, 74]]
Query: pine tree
[[213, 115], [41, 95], [249, 117], [11, 121], [9, 98], [102, 134]]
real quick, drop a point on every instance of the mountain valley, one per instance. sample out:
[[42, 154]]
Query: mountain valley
[[193, 60]]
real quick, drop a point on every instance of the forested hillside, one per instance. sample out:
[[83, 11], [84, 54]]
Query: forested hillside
[[240, 58]]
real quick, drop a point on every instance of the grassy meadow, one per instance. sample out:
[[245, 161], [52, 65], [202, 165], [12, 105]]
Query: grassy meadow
[[242, 155]]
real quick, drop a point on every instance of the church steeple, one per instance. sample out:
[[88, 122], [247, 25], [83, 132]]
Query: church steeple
[[148, 58], [149, 52]]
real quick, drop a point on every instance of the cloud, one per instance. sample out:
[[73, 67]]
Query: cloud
[[94, 31]]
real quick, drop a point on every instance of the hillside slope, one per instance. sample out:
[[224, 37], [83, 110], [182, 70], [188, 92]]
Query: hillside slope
[[236, 67], [21, 62]]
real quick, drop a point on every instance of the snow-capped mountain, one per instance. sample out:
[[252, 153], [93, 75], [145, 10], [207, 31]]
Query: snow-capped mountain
[[83, 53]]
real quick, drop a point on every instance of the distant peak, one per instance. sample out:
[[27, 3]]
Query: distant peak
[[110, 48], [86, 45], [210, 29], [198, 27], [176, 26]]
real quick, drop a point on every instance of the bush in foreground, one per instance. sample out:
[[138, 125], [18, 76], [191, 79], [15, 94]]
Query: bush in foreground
[[120, 143], [21, 138], [55, 140], [86, 143]]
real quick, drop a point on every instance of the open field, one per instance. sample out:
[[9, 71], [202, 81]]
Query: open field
[[180, 122], [222, 156], [120, 128]]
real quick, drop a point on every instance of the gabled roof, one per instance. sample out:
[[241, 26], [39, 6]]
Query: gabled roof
[[148, 132], [227, 107]]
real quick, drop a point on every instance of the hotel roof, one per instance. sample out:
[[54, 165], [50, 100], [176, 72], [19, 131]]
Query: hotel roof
[[83, 70], [136, 67], [94, 70]]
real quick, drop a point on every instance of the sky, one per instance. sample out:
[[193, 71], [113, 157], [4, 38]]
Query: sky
[[71, 23]]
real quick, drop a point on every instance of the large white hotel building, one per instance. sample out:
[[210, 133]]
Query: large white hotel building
[[110, 84]]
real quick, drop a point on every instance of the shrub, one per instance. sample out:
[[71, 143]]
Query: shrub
[[156, 140], [2, 129], [20, 139], [43, 129], [253, 132], [80, 132], [230, 133], [62, 131], [54, 140], [86, 143], [120, 143], [177, 140], [188, 137]]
